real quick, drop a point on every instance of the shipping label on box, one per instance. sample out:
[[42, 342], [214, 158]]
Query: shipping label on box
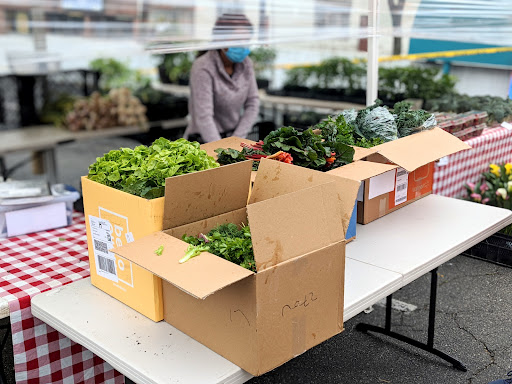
[[102, 244], [412, 185], [120, 232]]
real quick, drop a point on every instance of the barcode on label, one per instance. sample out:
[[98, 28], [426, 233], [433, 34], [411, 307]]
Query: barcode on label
[[100, 246], [400, 200], [401, 187], [107, 265]]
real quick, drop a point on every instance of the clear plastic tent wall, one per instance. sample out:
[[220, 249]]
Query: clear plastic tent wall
[[164, 26], [478, 21]]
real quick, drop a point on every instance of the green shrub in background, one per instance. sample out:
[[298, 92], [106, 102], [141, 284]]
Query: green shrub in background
[[334, 72], [300, 76], [113, 73], [398, 82], [414, 83], [178, 65], [263, 59], [497, 108]]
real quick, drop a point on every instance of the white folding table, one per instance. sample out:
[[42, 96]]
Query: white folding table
[[149, 352], [4, 308], [387, 254]]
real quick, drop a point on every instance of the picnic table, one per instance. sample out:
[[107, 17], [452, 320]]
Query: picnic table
[[46, 138], [149, 352], [31, 264], [494, 145]]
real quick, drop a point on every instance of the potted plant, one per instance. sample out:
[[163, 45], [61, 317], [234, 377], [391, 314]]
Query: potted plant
[[112, 73], [263, 59], [175, 67], [494, 188]]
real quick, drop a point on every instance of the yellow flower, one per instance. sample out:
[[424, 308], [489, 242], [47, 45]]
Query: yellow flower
[[495, 169], [508, 168]]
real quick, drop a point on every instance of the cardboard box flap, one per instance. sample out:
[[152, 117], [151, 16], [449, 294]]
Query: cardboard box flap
[[295, 224], [276, 179], [200, 276], [361, 153], [199, 195], [362, 170], [229, 142], [413, 151]]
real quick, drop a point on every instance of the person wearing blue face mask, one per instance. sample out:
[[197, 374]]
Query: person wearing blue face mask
[[223, 91], [237, 54]]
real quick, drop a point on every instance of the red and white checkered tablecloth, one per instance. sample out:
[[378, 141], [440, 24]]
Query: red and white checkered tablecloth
[[493, 146], [34, 263]]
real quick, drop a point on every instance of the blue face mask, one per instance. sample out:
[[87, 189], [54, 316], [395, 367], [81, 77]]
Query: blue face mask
[[237, 54]]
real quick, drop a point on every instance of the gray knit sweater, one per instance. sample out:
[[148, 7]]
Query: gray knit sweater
[[219, 103]]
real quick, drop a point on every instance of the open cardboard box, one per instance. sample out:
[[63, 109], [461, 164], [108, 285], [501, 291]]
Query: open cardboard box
[[234, 143], [398, 172], [295, 300]]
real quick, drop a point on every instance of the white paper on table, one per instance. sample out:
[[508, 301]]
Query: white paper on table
[[382, 184], [36, 219], [506, 125], [443, 161]]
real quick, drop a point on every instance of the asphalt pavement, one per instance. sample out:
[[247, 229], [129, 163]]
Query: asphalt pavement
[[473, 317]]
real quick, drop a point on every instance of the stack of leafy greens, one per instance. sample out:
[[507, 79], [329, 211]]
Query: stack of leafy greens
[[376, 124], [142, 171], [287, 144], [410, 121], [231, 156], [227, 241], [327, 145], [308, 149], [342, 129]]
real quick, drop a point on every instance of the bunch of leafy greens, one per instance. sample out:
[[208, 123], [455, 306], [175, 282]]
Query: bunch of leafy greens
[[338, 129], [229, 156], [377, 122], [308, 149], [227, 241], [407, 120], [368, 143], [142, 171]]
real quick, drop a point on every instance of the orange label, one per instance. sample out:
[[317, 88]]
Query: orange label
[[411, 186]]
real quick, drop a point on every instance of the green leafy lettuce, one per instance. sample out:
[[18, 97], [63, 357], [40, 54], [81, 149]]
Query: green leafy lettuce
[[142, 171], [227, 241]]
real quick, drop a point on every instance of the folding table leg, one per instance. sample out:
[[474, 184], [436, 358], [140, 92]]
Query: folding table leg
[[429, 346], [50, 165], [3, 168], [3, 343]]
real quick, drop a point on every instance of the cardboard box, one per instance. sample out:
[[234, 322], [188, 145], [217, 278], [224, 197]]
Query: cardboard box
[[118, 218], [295, 300], [234, 143], [399, 172]]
